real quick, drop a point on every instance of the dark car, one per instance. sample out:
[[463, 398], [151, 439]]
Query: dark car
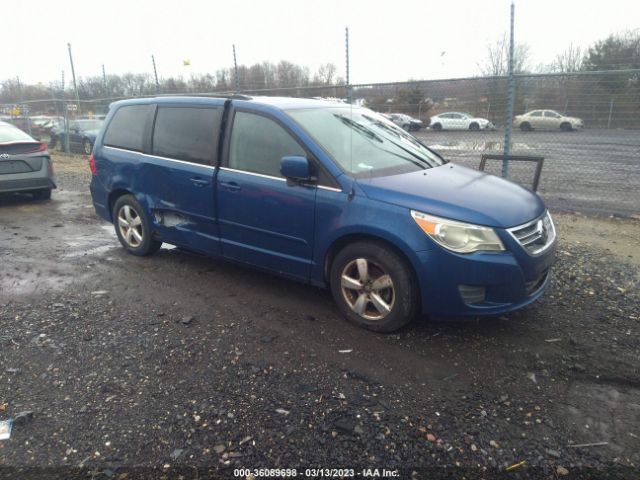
[[82, 134], [25, 165], [325, 193]]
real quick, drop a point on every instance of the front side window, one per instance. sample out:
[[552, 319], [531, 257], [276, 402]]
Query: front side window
[[258, 144], [364, 143], [551, 114], [127, 127], [185, 133]]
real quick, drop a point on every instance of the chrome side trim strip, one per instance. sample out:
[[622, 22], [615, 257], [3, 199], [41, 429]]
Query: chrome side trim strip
[[161, 158]]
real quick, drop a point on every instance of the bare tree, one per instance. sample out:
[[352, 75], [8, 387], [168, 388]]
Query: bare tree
[[497, 61], [568, 61]]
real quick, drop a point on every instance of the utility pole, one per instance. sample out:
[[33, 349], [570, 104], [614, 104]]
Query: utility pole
[[104, 79], [508, 121], [349, 92], [73, 74], [62, 83], [235, 66], [155, 73]]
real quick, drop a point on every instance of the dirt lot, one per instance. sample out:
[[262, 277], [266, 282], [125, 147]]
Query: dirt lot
[[181, 365]]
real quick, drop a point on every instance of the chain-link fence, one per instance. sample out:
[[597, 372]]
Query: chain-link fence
[[586, 126]]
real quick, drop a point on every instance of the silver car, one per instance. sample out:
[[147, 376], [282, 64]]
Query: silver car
[[25, 165]]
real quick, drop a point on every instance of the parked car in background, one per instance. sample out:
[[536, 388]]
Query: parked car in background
[[547, 120], [405, 121], [43, 124], [459, 121], [354, 202], [82, 134], [25, 165]]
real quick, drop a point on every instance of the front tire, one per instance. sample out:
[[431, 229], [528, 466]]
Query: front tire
[[566, 127], [133, 227], [437, 127], [474, 127], [373, 287], [525, 126]]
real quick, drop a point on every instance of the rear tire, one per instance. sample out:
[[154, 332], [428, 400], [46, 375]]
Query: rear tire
[[133, 227], [373, 287], [42, 194], [525, 126]]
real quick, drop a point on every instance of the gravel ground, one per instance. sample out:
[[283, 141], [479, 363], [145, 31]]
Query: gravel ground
[[177, 366]]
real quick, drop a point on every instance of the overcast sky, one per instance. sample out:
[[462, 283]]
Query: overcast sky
[[390, 40]]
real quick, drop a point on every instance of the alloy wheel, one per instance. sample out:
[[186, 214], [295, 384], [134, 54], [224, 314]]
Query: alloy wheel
[[367, 289], [130, 226]]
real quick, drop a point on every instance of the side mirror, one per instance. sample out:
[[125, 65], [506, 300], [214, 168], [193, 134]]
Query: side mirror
[[295, 168]]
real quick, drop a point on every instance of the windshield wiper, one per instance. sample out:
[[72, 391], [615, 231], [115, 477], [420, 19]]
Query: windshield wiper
[[361, 128]]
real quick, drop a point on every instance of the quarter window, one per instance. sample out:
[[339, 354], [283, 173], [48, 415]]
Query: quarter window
[[258, 143], [127, 127], [185, 133]]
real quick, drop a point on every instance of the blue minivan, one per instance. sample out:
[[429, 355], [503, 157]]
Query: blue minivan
[[325, 193]]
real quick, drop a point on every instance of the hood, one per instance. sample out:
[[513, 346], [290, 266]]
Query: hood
[[458, 193]]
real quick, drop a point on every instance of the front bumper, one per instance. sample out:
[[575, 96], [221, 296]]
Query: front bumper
[[483, 283]]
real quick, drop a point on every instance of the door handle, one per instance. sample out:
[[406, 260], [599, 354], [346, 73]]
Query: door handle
[[199, 182], [233, 186]]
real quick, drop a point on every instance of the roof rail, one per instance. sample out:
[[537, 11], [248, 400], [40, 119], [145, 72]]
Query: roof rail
[[235, 96]]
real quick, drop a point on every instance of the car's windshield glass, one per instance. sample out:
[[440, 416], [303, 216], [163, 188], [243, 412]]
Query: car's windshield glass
[[363, 142], [88, 124], [12, 134]]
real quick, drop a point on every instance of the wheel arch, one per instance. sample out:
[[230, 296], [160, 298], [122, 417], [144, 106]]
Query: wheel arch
[[114, 195]]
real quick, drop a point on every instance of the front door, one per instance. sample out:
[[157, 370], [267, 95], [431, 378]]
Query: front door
[[264, 220]]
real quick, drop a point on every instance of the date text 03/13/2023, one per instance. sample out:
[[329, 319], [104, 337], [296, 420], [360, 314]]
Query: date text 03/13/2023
[[256, 473]]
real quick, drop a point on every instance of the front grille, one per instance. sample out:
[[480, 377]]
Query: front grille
[[535, 236]]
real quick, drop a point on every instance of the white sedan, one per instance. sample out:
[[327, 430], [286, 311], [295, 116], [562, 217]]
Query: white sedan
[[547, 120], [459, 121]]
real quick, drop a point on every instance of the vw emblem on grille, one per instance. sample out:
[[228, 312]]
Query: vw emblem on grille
[[4, 156], [542, 229]]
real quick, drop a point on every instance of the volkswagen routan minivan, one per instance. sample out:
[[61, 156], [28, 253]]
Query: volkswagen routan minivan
[[325, 193]]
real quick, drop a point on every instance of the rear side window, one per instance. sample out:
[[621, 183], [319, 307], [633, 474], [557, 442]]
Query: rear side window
[[127, 128], [186, 133], [258, 143]]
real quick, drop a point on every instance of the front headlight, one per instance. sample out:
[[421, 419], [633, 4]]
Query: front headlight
[[457, 236]]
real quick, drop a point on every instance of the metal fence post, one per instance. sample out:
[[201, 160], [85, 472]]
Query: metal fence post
[[610, 113], [66, 146], [508, 121], [349, 89]]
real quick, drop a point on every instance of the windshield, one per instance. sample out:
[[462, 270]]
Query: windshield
[[89, 124], [365, 143]]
